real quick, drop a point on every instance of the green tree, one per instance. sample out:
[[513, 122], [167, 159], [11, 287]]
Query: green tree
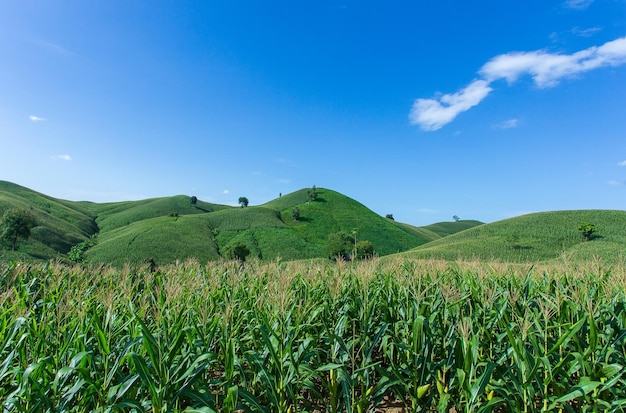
[[312, 194], [587, 230], [295, 213], [364, 249], [339, 244], [193, 200], [456, 218], [390, 216], [243, 201], [238, 251], [15, 224]]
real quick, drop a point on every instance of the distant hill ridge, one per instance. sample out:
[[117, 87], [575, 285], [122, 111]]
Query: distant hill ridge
[[173, 228]]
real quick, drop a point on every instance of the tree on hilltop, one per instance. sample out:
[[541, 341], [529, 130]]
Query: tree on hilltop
[[243, 201], [312, 194]]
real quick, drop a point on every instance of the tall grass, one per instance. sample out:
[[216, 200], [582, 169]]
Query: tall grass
[[316, 336]]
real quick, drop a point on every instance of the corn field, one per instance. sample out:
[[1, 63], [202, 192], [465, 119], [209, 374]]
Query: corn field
[[375, 336]]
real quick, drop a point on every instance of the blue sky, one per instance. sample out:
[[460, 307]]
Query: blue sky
[[421, 109]]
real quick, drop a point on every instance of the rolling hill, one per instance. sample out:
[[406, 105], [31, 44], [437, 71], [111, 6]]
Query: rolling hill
[[174, 228], [535, 237]]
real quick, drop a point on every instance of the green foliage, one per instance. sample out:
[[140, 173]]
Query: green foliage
[[586, 229], [339, 244], [312, 194], [295, 213], [390, 216], [77, 253], [283, 337], [243, 201], [364, 249], [237, 251], [193, 200], [15, 224]]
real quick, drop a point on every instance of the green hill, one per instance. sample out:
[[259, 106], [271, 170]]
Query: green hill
[[174, 228], [60, 224], [535, 237], [334, 212]]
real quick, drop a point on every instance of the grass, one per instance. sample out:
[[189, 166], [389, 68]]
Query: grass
[[293, 337], [115, 215], [535, 237]]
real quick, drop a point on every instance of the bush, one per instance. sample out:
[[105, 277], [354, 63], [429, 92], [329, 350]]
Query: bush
[[237, 251]]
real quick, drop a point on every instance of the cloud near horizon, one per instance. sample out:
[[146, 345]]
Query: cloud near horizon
[[546, 70]]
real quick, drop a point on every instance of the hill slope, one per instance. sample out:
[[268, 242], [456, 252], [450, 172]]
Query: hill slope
[[535, 237], [60, 224], [174, 228]]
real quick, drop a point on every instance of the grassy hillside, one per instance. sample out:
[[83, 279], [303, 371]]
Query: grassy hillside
[[118, 214], [535, 237], [163, 239], [172, 228], [269, 231], [443, 229], [333, 212], [59, 224]]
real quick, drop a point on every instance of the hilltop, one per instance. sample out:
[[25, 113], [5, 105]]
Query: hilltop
[[174, 228]]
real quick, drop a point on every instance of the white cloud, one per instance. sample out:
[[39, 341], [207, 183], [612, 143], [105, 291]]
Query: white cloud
[[545, 68], [432, 114], [623, 163], [507, 124], [616, 183], [225, 192], [578, 4], [36, 118], [577, 31], [64, 157]]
